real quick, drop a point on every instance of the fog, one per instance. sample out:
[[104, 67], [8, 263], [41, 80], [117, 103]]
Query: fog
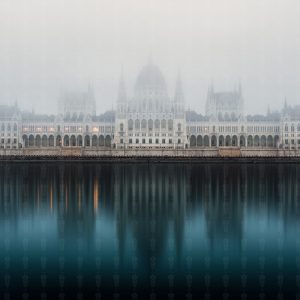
[[49, 46]]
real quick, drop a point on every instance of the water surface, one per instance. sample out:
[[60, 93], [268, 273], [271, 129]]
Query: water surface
[[146, 231]]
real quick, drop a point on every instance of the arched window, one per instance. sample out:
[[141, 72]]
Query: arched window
[[250, 141], [242, 141], [170, 124], [130, 124], [192, 141], [179, 127], [150, 124], [156, 124], [15, 127], [79, 140], [87, 141], [8, 127], [2, 127], [206, 141], [199, 141], [44, 141], [144, 124], [51, 141], [234, 141], [94, 141], [213, 141], [73, 141], [137, 124], [163, 124], [58, 140], [121, 127], [101, 140], [107, 141]]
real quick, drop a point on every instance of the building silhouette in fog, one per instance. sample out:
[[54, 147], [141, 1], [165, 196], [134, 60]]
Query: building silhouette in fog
[[150, 118]]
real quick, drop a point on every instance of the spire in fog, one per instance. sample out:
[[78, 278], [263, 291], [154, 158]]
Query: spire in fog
[[122, 97]]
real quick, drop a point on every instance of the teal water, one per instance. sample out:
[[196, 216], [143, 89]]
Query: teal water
[[172, 231]]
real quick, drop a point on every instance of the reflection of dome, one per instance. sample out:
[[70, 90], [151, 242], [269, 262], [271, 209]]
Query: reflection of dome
[[150, 79]]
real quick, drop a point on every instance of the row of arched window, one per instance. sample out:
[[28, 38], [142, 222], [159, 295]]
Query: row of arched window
[[9, 127], [227, 141], [66, 141], [292, 127], [150, 125]]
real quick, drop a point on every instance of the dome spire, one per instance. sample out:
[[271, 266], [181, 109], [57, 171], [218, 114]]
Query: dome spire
[[179, 97], [122, 90]]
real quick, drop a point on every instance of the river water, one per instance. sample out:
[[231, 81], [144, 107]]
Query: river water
[[149, 231]]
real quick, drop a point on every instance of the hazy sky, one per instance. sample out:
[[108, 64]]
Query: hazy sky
[[49, 45]]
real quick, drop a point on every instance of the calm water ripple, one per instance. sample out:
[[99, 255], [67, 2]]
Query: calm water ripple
[[172, 231]]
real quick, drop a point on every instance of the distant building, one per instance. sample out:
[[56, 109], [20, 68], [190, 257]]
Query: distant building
[[75, 105], [10, 120], [225, 106], [150, 119]]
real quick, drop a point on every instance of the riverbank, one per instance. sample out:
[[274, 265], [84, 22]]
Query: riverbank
[[150, 159], [225, 154]]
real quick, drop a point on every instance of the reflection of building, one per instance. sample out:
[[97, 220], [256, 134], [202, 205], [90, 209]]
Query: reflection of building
[[151, 119], [150, 203]]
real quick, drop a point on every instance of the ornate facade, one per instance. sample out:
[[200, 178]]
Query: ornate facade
[[150, 119]]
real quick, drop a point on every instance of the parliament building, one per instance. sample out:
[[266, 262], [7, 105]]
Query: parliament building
[[150, 119]]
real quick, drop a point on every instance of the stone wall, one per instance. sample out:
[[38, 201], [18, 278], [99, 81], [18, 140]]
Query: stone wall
[[208, 152]]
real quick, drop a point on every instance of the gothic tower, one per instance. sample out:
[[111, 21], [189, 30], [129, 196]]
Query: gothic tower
[[122, 97], [179, 97]]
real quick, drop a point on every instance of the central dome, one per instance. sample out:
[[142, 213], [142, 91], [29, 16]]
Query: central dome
[[150, 79]]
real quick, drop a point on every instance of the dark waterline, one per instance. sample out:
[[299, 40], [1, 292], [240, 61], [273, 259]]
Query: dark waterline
[[96, 231]]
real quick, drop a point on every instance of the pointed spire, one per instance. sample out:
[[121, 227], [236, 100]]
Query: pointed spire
[[240, 88], [90, 89], [212, 89], [179, 97], [285, 104], [122, 91]]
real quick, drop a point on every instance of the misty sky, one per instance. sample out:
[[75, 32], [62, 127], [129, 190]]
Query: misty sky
[[52, 45]]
